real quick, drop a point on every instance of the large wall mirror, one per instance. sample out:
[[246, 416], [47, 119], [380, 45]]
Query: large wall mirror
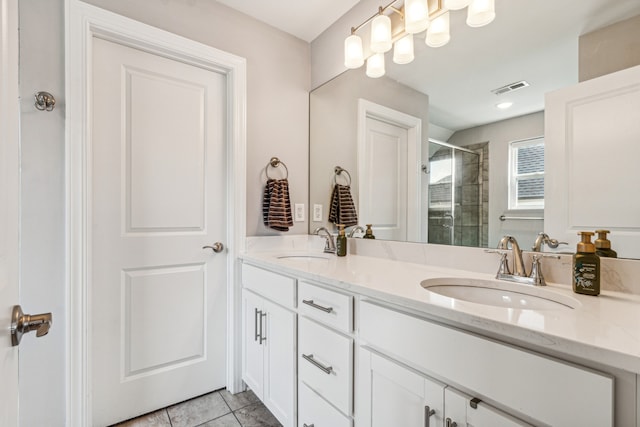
[[428, 152]]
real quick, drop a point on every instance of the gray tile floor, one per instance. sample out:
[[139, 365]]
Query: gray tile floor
[[217, 409]]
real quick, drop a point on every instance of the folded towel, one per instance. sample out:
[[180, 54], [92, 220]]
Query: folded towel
[[343, 210], [276, 206]]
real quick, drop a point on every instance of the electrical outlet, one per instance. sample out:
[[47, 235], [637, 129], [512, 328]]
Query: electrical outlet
[[317, 213], [299, 215]]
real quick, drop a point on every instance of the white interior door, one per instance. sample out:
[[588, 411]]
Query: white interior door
[[9, 209], [383, 183], [389, 152], [157, 299]]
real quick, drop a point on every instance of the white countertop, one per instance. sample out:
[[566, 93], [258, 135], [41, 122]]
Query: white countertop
[[604, 329]]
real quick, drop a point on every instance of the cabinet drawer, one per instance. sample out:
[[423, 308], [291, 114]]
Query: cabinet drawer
[[325, 363], [315, 411], [277, 288], [326, 306], [537, 386]]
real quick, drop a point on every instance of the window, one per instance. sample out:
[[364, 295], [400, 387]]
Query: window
[[526, 174]]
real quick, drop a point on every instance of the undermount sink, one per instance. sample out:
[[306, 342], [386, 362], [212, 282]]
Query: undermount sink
[[306, 257], [500, 294]]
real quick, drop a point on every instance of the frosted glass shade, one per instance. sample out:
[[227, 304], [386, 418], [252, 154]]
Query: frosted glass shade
[[353, 54], [456, 4], [416, 16], [375, 65], [403, 50], [381, 34], [438, 33], [481, 12]]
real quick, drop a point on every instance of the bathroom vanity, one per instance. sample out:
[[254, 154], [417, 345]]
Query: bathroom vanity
[[361, 341]]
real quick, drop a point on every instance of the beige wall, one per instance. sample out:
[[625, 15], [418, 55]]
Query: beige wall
[[499, 135], [278, 75], [609, 49]]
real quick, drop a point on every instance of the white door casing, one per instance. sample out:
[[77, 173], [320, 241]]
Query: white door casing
[[157, 297], [84, 24], [389, 157], [9, 208]]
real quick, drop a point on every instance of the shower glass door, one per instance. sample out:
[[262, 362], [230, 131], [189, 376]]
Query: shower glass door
[[454, 211]]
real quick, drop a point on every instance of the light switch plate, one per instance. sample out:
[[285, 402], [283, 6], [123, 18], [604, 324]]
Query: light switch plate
[[299, 212], [317, 213]]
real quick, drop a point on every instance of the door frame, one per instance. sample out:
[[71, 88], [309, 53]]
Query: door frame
[[84, 22], [9, 206], [413, 125]]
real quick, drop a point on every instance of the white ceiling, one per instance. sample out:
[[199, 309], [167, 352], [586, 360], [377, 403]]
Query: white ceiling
[[536, 41], [305, 19]]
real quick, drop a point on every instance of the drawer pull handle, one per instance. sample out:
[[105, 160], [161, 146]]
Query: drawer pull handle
[[309, 358], [319, 307], [450, 423], [428, 412], [308, 425]]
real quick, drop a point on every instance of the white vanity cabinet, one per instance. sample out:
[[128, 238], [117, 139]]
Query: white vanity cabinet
[[535, 387], [269, 340], [325, 357], [391, 395]]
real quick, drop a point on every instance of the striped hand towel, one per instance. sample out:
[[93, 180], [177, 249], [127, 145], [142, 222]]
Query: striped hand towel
[[276, 206], [343, 210]]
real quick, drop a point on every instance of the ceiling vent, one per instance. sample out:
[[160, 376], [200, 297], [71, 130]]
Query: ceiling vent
[[510, 87]]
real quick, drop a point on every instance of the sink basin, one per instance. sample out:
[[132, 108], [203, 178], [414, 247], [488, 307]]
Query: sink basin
[[305, 257], [500, 294]]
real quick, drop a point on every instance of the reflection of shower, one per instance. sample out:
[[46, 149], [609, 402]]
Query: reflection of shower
[[454, 201]]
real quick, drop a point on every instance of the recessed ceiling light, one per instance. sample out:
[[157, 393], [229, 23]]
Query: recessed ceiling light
[[504, 105]]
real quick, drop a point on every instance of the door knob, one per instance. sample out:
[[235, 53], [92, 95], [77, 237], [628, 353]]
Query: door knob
[[23, 323], [217, 247]]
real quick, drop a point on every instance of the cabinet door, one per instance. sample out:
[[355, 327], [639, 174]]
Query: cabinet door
[[252, 349], [279, 341], [392, 395], [459, 411]]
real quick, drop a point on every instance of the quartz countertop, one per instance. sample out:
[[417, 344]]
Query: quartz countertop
[[604, 329]]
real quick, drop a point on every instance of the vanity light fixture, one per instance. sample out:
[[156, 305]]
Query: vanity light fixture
[[417, 18]]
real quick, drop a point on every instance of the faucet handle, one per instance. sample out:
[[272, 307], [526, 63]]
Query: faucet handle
[[536, 271]]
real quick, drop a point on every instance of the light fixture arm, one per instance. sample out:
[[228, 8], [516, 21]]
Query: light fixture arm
[[381, 10]]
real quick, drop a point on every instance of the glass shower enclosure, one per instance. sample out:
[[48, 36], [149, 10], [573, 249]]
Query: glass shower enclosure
[[454, 196]]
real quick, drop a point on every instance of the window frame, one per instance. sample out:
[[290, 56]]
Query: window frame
[[514, 177]]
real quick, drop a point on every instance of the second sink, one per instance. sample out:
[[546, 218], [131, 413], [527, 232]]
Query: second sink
[[499, 294]]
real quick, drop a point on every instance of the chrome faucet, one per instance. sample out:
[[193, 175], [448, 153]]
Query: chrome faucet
[[544, 238], [518, 263], [519, 274], [330, 244], [356, 229]]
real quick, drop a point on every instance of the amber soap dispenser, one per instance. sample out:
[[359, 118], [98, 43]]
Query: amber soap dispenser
[[586, 267], [341, 242], [603, 245]]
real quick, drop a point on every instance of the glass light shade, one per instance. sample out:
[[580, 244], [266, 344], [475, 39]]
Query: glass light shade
[[381, 34], [403, 50], [375, 65], [438, 32], [456, 4], [353, 54], [416, 16], [481, 12]]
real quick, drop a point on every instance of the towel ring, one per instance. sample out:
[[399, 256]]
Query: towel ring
[[338, 171], [274, 163]]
